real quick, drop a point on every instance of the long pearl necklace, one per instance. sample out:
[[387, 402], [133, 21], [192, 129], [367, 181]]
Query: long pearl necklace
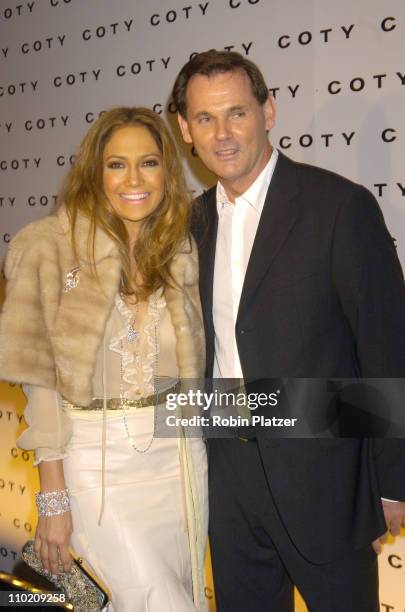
[[132, 336]]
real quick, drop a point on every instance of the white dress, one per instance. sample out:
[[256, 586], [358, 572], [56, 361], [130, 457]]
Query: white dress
[[141, 519]]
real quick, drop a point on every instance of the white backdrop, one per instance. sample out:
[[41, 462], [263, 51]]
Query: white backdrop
[[336, 69]]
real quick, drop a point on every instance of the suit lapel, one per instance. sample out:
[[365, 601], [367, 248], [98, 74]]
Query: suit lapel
[[206, 239], [278, 217], [204, 229]]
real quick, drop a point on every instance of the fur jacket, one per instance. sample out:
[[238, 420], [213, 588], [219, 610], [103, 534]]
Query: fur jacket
[[50, 333]]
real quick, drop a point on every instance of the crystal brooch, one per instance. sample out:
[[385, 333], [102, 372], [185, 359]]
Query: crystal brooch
[[72, 279]]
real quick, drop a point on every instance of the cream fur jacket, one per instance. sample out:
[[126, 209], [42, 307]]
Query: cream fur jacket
[[49, 336]]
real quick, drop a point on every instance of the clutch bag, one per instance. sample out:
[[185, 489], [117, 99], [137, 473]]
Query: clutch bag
[[82, 588]]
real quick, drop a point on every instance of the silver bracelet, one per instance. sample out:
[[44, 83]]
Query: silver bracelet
[[53, 502]]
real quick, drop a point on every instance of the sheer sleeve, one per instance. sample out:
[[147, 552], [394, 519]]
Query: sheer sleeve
[[49, 427]]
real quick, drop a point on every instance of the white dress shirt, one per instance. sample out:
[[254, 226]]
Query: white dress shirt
[[237, 226]]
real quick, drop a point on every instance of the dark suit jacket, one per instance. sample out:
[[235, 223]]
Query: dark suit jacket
[[323, 296]]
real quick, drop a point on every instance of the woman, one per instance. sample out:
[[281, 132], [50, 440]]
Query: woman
[[102, 316]]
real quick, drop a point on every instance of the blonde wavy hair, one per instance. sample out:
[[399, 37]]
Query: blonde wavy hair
[[164, 232]]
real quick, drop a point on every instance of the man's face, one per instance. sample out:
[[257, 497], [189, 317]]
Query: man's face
[[228, 128]]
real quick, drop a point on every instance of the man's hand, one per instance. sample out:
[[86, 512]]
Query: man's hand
[[394, 513]]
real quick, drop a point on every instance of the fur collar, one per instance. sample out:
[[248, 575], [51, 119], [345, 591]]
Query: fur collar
[[104, 246]]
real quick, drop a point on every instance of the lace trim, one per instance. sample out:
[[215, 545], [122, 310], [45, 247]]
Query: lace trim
[[132, 364], [39, 457]]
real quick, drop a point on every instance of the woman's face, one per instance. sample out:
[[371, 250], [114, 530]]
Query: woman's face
[[133, 180]]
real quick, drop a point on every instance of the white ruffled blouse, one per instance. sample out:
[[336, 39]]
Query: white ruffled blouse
[[123, 368]]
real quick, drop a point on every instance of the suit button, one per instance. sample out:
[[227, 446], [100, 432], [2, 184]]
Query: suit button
[[242, 331]]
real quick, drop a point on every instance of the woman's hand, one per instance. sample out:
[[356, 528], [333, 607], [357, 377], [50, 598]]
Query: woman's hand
[[52, 539], [53, 532]]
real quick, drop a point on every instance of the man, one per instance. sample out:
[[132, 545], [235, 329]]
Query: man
[[298, 278]]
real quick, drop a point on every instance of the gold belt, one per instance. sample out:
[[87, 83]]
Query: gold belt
[[117, 403]]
